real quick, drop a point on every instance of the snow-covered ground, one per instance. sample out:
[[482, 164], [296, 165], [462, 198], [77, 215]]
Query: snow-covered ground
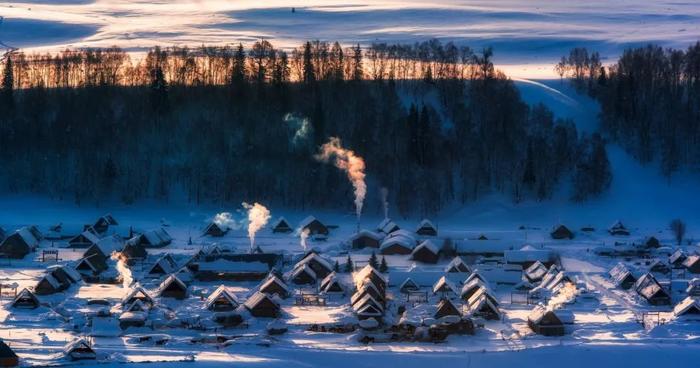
[[528, 36]]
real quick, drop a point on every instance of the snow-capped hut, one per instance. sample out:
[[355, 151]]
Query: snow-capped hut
[[25, 299], [443, 286], [103, 223], [446, 308], [484, 305], [535, 272], [368, 307], [618, 228], [172, 287], [79, 349], [688, 307], [651, 242], [214, 229], [161, 267], [476, 275], [408, 285], [622, 277], [650, 289], [281, 225], [369, 274], [457, 265], [387, 226], [319, 265], [103, 249], [544, 321], [314, 226], [133, 251], [302, 275], [155, 238], [367, 289], [137, 293], [470, 288], [677, 258], [8, 358], [222, 300], [693, 288], [331, 284], [262, 305], [18, 244], [136, 306], [86, 268], [48, 285], [85, 239], [426, 228], [365, 239], [426, 252], [273, 285], [692, 263], [399, 242], [561, 232], [132, 319]]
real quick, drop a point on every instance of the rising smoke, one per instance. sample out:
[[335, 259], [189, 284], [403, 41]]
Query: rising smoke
[[123, 270], [303, 235], [258, 216], [225, 221], [352, 164], [301, 127]]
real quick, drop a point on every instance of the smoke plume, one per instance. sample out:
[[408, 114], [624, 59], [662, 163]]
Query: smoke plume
[[123, 270], [225, 220], [303, 235], [258, 216], [301, 127], [352, 164], [385, 201]]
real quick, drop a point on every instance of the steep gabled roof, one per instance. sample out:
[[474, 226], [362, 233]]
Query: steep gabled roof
[[137, 292], [222, 293], [258, 298], [689, 305], [408, 285], [457, 265], [443, 285]]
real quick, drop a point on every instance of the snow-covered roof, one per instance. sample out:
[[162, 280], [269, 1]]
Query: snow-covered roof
[[366, 289], [51, 280], [91, 237], [527, 254], [171, 279], [314, 257], [425, 223], [78, 344], [400, 240], [280, 221], [366, 233], [329, 278], [387, 226], [272, 279], [163, 264], [307, 221], [256, 299], [536, 271], [367, 299], [110, 244], [678, 255], [427, 245], [472, 286], [691, 260], [365, 273], [300, 269], [687, 305], [136, 306], [26, 234], [476, 304], [457, 265], [135, 316], [444, 285], [539, 312], [137, 292], [408, 284], [222, 292], [480, 293]]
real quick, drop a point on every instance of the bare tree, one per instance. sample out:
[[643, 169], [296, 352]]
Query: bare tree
[[678, 228]]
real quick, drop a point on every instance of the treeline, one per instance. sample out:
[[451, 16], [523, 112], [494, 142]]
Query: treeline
[[457, 132], [650, 102]]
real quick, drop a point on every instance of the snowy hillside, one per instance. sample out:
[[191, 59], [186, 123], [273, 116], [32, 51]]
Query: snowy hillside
[[527, 36]]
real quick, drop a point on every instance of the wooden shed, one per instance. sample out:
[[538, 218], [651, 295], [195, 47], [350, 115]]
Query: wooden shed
[[262, 305], [314, 226], [544, 321], [426, 252], [281, 226], [365, 239], [426, 228]]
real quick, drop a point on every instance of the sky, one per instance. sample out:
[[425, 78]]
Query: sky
[[528, 37]]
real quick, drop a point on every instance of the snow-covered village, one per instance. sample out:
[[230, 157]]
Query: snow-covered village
[[207, 183]]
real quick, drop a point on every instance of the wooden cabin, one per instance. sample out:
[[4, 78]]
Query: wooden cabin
[[222, 300], [457, 265], [535, 272], [302, 275], [446, 308], [262, 305], [408, 285], [79, 349], [214, 229], [688, 308], [443, 286], [273, 285], [137, 293], [426, 228], [313, 226], [155, 238], [85, 239], [103, 223], [319, 265], [8, 357], [48, 285], [544, 321], [19, 244], [561, 232], [483, 305], [281, 226], [618, 228], [677, 258], [426, 252], [387, 226], [172, 287], [397, 243], [365, 239], [25, 299]]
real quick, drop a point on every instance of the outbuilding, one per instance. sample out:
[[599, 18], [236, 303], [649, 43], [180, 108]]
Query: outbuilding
[[262, 305], [426, 252], [544, 321]]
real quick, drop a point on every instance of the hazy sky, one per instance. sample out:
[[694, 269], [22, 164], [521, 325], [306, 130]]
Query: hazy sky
[[527, 34]]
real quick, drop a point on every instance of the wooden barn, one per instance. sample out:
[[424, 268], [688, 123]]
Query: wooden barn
[[314, 226], [222, 300], [273, 285], [19, 244], [365, 239], [214, 229], [8, 358], [25, 299], [172, 287], [561, 232], [446, 308], [544, 321], [261, 305], [281, 226], [426, 252], [79, 349], [426, 228]]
